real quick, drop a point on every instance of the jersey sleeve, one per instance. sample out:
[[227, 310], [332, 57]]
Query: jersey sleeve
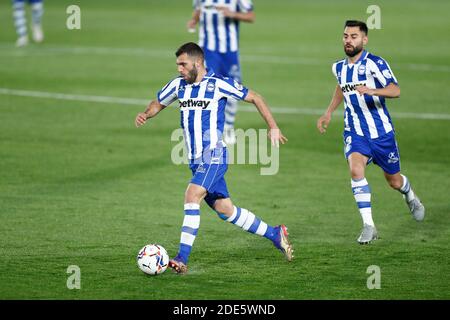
[[168, 94], [333, 69], [230, 88], [382, 72], [245, 6]]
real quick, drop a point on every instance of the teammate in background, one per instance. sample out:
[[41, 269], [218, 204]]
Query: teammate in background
[[219, 38], [20, 21], [202, 99], [364, 82]]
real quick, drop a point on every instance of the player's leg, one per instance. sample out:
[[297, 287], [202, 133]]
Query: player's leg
[[247, 221], [37, 10], [20, 22], [206, 170], [232, 70], [191, 223], [358, 154], [401, 183], [387, 156]]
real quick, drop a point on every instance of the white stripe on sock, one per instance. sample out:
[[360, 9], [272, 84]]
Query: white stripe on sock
[[187, 238], [191, 206], [191, 221], [360, 183], [362, 197], [261, 229]]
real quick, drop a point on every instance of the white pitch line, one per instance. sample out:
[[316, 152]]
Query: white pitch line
[[144, 102], [9, 50]]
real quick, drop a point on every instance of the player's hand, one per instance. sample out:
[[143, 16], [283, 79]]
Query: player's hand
[[364, 90], [322, 122], [141, 119], [276, 137], [225, 11], [191, 25]]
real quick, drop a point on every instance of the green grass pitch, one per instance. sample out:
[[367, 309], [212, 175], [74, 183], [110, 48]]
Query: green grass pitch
[[80, 185]]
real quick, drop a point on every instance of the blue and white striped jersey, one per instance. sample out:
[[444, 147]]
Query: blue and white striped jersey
[[365, 115], [202, 109], [216, 32]]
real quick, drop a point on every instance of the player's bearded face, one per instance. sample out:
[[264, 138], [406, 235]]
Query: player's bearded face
[[192, 74], [352, 50]]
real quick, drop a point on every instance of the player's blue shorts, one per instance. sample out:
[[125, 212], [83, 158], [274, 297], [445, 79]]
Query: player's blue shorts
[[225, 64], [210, 174], [383, 151]]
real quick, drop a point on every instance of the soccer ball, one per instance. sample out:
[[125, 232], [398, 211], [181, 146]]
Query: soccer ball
[[153, 259]]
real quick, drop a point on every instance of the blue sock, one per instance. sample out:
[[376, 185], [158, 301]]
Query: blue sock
[[191, 223], [249, 222]]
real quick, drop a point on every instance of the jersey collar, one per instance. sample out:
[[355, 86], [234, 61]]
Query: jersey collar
[[209, 73], [361, 58]]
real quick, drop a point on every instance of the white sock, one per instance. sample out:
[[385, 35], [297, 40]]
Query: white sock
[[406, 189], [361, 192]]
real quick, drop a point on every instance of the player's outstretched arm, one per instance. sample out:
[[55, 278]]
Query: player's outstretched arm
[[194, 20], [275, 134], [152, 110], [324, 120]]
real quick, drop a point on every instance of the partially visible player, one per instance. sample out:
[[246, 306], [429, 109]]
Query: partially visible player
[[219, 38], [202, 97], [20, 21], [364, 83]]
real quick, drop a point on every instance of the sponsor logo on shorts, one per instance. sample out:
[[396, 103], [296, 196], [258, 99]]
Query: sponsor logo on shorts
[[392, 158]]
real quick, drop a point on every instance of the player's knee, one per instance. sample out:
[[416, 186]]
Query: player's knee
[[395, 183], [357, 173], [193, 195], [224, 209]]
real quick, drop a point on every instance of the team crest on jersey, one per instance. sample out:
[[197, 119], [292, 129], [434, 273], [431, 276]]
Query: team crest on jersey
[[380, 62], [387, 74], [210, 87], [181, 88], [392, 158], [361, 69]]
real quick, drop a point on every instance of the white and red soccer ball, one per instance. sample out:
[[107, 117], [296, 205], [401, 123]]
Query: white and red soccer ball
[[153, 259]]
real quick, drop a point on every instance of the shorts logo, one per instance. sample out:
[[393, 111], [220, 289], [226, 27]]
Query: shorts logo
[[348, 144], [362, 69], [200, 169], [392, 158]]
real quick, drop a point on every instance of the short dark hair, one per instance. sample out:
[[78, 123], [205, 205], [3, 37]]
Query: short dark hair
[[355, 23], [191, 49]]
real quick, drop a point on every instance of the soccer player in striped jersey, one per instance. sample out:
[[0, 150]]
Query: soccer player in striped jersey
[[202, 97], [364, 83], [20, 21], [219, 38]]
